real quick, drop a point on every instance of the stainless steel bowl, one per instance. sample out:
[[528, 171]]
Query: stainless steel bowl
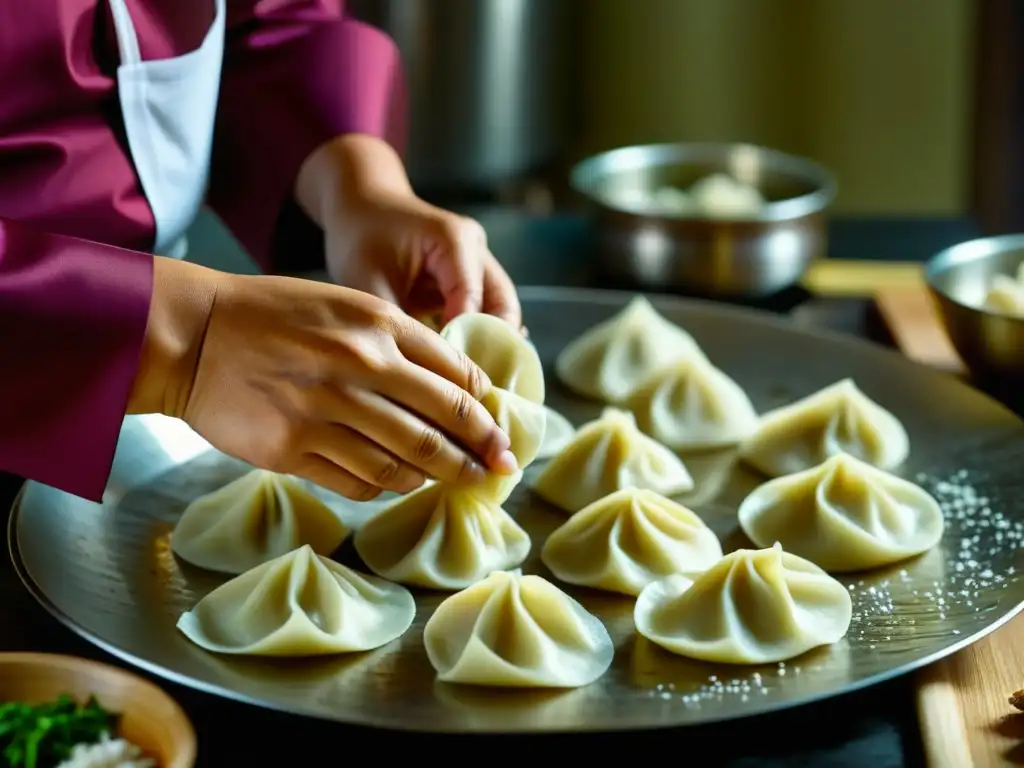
[[710, 256], [991, 344]]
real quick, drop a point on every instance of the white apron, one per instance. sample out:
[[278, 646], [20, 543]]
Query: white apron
[[169, 106]]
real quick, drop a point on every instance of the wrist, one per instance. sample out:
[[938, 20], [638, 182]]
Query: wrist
[[343, 174], [179, 311]]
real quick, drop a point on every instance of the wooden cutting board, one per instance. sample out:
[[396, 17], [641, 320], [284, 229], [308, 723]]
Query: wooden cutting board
[[962, 701]]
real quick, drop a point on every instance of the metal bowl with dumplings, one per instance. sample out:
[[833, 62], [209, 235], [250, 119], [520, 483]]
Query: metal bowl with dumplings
[[646, 238], [991, 344]]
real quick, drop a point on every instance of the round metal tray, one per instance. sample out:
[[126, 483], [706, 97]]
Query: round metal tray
[[107, 571]]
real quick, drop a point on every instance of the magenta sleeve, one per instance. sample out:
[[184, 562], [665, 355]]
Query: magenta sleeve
[[72, 320], [296, 74]]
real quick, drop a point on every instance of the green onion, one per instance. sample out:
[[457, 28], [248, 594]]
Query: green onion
[[43, 736]]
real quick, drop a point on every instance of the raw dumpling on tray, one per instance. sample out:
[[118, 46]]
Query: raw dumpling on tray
[[518, 631], [691, 405], [441, 537], [752, 607], [558, 433], [837, 419], [608, 455], [256, 518], [626, 540], [444, 536], [843, 515], [609, 360], [300, 604]]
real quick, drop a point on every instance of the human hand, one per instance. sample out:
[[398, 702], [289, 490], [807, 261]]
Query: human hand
[[318, 381], [382, 239]]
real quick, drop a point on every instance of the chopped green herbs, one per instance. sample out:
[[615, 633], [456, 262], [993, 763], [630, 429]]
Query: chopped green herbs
[[43, 736]]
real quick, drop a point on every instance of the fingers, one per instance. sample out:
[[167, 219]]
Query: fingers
[[500, 297], [418, 443], [425, 348], [454, 411], [455, 264], [364, 458], [328, 475]]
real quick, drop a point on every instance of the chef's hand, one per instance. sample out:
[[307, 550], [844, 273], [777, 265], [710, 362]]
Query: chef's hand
[[383, 239], [314, 380]]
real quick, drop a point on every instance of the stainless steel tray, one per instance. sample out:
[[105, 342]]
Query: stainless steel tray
[[107, 570]]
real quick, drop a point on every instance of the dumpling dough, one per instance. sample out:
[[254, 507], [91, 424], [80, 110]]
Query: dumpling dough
[[509, 360], [605, 456], [623, 542], [752, 607], [441, 537], [837, 419], [558, 433], [259, 516], [516, 631], [1006, 295], [844, 515], [608, 361], [300, 604], [692, 405]]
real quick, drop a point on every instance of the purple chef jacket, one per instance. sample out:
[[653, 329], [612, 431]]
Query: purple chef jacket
[[75, 280]]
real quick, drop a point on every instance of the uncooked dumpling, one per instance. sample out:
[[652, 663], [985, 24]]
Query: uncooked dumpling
[[837, 419], [1006, 295], [516, 631], [623, 542], [441, 537], [608, 361], [692, 405], [300, 604], [259, 516], [608, 455], [752, 607], [525, 423], [721, 196], [505, 355], [558, 433], [843, 515]]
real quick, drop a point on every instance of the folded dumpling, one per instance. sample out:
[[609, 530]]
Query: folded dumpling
[[605, 456], [505, 355], [558, 432], [608, 361], [516, 631], [843, 515], [300, 604], [1006, 295], [692, 405], [441, 537], [752, 607], [623, 542], [837, 419], [258, 517]]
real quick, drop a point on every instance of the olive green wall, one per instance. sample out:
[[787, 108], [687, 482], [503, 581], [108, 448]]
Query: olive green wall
[[877, 90]]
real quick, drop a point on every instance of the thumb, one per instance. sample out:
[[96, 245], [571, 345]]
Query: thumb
[[453, 257]]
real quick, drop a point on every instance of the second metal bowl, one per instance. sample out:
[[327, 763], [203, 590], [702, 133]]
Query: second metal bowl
[[991, 344], [713, 256]]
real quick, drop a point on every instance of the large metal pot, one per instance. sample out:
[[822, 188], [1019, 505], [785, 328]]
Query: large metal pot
[[488, 85]]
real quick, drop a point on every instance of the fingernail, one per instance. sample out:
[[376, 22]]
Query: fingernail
[[506, 463]]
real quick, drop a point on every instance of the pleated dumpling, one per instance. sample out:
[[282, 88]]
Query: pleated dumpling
[[300, 604], [505, 355], [692, 405], [558, 433], [752, 607], [837, 419], [516, 631], [843, 515], [608, 361], [608, 455], [256, 518], [441, 537], [623, 542]]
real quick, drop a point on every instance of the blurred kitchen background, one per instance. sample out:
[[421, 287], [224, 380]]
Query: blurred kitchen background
[[892, 97]]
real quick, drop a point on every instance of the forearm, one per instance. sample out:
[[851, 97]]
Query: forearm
[[344, 172]]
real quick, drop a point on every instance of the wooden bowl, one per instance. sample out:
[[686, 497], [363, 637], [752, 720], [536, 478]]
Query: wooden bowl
[[150, 718]]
